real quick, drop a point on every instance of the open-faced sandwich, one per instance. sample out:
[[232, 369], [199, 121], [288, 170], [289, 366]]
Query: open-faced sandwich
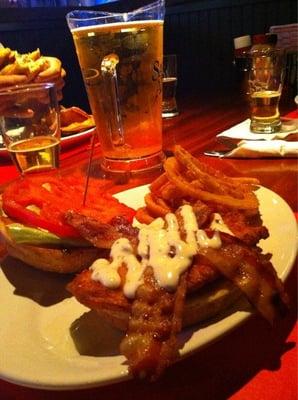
[[192, 253]]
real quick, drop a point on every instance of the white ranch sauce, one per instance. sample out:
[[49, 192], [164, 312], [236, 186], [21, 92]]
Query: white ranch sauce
[[217, 224], [160, 247]]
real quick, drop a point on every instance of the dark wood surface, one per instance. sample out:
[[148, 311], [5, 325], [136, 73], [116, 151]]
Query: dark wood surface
[[254, 361], [202, 116]]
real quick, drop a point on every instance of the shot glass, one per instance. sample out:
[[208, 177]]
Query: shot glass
[[265, 87], [30, 126], [169, 85]]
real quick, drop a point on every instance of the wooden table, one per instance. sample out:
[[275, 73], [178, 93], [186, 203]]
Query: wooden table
[[253, 361]]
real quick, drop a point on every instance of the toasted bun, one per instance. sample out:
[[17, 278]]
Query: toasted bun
[[210, 301], [199, 306], [51, 259], [54, 260]]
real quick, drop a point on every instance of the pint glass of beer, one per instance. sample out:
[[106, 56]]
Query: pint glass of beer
[[30, 126], [120, 56], [265, 88]]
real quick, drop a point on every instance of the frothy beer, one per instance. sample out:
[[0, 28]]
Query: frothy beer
[[264, 105], [169, 94], [121, 65]]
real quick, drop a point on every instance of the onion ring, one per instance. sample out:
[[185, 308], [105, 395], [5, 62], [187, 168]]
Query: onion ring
[[158, 183], [171, 165], [209, 180], [156, 206], [143, 216]]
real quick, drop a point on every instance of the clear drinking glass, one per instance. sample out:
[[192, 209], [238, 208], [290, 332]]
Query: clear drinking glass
[[169, 85], [120, 56], [265, 87], [30, 126]]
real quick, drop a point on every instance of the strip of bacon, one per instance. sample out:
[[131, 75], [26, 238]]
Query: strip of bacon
[[246, 225], [253, 273], [150, 344], [99, 234]]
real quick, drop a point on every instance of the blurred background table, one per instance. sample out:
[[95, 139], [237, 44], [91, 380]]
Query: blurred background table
[[252, 362]]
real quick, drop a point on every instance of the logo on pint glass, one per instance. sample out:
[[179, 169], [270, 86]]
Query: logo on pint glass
[[157, 75]]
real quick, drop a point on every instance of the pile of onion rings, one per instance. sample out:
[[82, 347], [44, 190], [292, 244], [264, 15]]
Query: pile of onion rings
[[187, 178]]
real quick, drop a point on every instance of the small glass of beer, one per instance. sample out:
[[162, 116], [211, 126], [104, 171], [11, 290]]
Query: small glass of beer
[[169, 85], [120, 56], [30, 126], [265, 87]]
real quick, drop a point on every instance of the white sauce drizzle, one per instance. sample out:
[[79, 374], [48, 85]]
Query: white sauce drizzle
[[161, 248], [218, 224]]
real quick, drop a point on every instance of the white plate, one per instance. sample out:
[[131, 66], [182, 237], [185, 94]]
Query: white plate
[[48, 340], [76, 137]]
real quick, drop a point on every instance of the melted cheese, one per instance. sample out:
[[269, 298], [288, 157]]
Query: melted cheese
[[161, 247]]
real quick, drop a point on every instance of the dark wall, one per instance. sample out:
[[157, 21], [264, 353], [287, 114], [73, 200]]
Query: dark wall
[[201, 33]]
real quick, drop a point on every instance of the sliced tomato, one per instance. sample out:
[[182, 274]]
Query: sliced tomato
[[43, 201], [30, 218]]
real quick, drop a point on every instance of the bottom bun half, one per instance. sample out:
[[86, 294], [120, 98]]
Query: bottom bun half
[[202, 305], [61, 260], [54, 260]]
